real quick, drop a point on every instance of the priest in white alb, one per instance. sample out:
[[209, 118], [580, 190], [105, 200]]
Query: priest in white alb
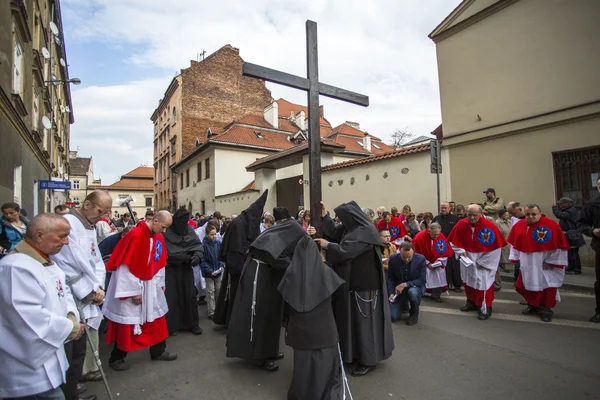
[[477, 244], [135, 301], [37, 313], [540, 246]]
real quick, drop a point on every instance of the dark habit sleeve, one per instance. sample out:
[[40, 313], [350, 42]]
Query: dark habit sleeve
[[345, 251]]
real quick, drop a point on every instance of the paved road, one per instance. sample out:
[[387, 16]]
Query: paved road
[[448, 355]]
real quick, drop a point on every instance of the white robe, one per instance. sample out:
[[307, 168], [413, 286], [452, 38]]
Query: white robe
[[535, 277], [436, 277], [479, 278], [82, 263], [34, 303], [124, 284]]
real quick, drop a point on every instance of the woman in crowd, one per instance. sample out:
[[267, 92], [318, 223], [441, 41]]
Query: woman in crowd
[[305, 220], [427, 218], [12, 227], [411, 225]]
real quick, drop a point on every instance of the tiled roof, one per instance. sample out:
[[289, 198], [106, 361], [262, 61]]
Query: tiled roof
[[288, 126], [352, 145], [292, 150], [419, 139], [249, 187], [350, 131], [255, 120], [141, 172], [385, 156], [79, 166], [285, 108], [140, 178], [243, 135]]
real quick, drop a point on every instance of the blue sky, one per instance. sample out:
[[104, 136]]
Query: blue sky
[[127, 51]]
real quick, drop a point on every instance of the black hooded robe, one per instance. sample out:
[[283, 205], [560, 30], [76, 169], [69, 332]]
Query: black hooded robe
[[255, 325], [360, 305], [241, 232], [307, 287], [183, 246]]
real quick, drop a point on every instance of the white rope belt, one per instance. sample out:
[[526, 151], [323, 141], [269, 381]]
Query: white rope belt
[[253, 310]]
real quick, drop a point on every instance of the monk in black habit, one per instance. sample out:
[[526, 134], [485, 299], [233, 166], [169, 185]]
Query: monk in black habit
[[255, 325], [184, 250], [307, 287], [360, 305], [242, 231]]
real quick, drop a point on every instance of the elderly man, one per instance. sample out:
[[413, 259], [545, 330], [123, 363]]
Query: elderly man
[[82, 263], [406, 280], [447, 220], [397, 229], [590, 226], [135, 303], [380, 211], [541, 247], [568, 218], [37, 312], [433, 245], [478, 244], [492, 204]]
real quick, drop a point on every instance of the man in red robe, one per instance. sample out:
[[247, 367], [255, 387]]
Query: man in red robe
[[135, 304], [397, 229], [540, 246], [478, 244], [433, 245]]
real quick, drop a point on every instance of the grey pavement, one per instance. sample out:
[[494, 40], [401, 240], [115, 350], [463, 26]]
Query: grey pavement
[[448, 355]]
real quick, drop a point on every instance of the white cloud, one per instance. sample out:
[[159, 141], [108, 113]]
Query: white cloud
[[378, 48]]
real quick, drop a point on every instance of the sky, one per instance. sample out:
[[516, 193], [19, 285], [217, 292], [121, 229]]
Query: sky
[[127, 51]]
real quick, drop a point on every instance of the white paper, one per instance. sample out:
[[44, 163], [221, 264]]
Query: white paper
[[436, 264], [466, 261], [384, 259]]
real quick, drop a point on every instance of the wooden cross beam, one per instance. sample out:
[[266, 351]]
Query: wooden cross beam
[[314, 88]]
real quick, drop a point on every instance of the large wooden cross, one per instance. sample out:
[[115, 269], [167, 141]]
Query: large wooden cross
[[314, 88]]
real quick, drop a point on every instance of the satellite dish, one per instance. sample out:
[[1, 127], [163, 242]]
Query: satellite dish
[[57, 40], [46, 122], [62, 62], [45, 53], [53, 28], [67, 109]]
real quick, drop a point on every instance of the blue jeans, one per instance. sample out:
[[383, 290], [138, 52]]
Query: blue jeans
[[412, 296], [53, 394]]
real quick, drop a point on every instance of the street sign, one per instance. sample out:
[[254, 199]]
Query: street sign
[[436, 157], [59, 185]]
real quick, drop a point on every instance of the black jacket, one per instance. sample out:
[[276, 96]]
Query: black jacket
[[589, 220], [447, 222], [413, 274], [567, 219]]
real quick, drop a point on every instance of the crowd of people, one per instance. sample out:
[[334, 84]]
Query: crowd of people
[[336, 292]]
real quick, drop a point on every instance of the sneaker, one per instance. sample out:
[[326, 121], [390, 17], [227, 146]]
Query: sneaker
[[119, 365], [412, 319]]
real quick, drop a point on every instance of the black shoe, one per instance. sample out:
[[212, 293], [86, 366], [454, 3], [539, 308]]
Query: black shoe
[[95, 376], [92, 397], [523, 303], [571, 272], [166, 356], [210, 317], [469, 306], [438, 299], [174, 333], [362, 370], [197, 330], [483, 316], [81, 388], [530, 310], [412, 319], [458, 290], [546, 314], [497, 289], [279, 356], [119, 365], [201, 301], [596, 318], [270, 366]]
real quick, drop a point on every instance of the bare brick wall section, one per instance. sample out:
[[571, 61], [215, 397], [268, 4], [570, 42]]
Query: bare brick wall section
[[215, 94]]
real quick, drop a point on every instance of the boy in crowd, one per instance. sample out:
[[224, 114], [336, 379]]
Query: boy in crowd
[[212, 268]]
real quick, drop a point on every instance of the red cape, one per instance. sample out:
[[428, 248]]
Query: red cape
[[396, 227], [192, 223], [134, 251], [432, 251], [545, 235], [486, 237]]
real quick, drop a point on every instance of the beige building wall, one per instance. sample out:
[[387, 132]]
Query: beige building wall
[[230, 169], [139, 205], [530, 58], [198, 190], [416, 188], [236, 202]]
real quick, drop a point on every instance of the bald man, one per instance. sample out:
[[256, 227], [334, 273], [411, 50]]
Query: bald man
[[38, 313], [135, 303], [82, 264]]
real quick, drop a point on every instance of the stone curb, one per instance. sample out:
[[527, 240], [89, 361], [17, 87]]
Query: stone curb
[[574, 287]]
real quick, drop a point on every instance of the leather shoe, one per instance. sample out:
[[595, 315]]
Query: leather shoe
[[362, 370], [166, 356], [412, 319], [530, 310], [438, 299], [546, 314], [270, 366], [119, 365], [279, 356], [596, 318], [487, 315], [197, 330], [81, 388], [469, 306], [91, 397], [95, 376]]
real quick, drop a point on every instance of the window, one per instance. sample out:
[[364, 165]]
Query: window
[[575, 174], [17, 184], [259, 135], [76, 200], [148, 201], [377, 147], [17, 65], [199, 171], [174, 115], [76, 185], [207, 168], [187, 177], [36, 107], [203, 205], [173, 147], [181, 184]]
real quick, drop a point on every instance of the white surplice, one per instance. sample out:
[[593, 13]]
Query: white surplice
[[535, 277], [479, 278], [34, 303], [82, 263], [436, 277]]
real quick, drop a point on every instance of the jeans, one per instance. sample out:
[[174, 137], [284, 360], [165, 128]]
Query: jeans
[[52, 394], [574, 260], [213, 286], [412, 296]]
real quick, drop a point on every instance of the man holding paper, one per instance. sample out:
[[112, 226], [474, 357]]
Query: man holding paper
[[433, 245], [397, 229], [478, 244]]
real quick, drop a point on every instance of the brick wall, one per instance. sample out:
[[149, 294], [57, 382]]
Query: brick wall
[[215, 94]]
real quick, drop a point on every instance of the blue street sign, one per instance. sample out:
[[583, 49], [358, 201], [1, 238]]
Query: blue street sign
[[60, 185]]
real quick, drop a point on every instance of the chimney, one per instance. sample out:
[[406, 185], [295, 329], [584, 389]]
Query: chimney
[[367, 142], [355, 125], [272, 114], [301, 120], [72, 155]]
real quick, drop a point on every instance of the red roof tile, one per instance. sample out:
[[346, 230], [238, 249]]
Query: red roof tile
[[352, 145], [296, 149], [249, 187], [141, 172], [384, 156], [350, 131], [285, 108], [254, 120], [246, 136]]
